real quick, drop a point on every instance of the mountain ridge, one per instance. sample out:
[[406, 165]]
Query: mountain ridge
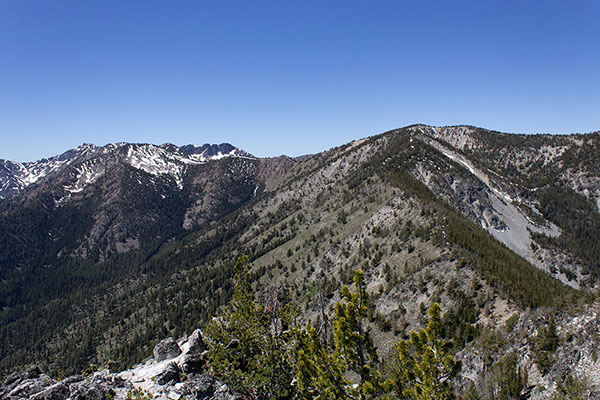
[[423, 218], [16, 176]]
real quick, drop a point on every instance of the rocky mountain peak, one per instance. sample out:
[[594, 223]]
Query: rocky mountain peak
[[89, 161]]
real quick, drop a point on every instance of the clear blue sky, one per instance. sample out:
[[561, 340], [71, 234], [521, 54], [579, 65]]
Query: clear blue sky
[[290, 77]]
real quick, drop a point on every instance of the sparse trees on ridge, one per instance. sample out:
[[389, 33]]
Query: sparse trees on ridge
[[261, 352]]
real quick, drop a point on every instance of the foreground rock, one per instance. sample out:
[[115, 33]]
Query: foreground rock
[[178, 371], [166, 349]]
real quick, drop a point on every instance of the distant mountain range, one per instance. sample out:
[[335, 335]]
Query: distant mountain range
[[106, 250], [87, 162]]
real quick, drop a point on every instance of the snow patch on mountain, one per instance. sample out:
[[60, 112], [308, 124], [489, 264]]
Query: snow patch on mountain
[[16, 176], [89, 160], [41, 169], [85, 174], [202, 157], [157, 161]]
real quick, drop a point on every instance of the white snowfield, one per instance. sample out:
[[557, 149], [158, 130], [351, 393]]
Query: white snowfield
[[87, 173]]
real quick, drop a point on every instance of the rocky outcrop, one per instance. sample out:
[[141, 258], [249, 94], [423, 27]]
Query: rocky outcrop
[[195, 343], [58, 391], [194, 358], [170, 375], [192, 362], [178, 370], [24, 384], [88, 391]]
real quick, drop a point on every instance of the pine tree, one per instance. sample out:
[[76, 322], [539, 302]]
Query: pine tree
[[545, 344], [320, 374], [251, 345], [513, 378], [424, 369], [325, 369], [571, 389]]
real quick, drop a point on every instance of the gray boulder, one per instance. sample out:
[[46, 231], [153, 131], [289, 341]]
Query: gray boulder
[[196, 343], [194, 357], [207, 387], [32, 372], [166, 349]]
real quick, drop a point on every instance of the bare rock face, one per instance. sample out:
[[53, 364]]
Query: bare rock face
[[32, 372], [87, 391], [141, 380], [208, 387], [166, 349], [194, 358], [27, 388], [22, 385], [58, 391], [196, 343], [193, 362], [73, 379], [169, 376]]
